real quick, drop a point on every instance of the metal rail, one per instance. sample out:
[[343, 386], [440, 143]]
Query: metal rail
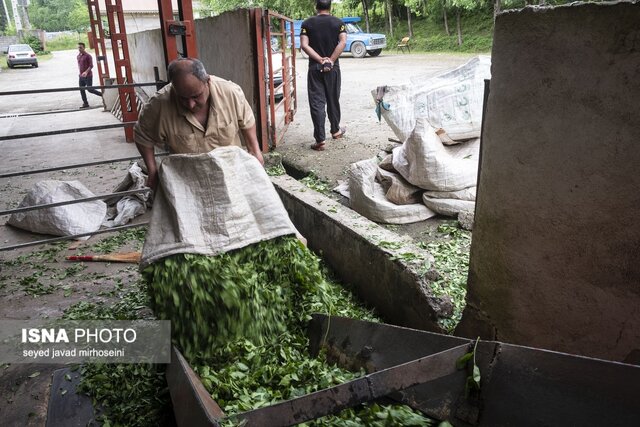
[[41, 113], [63, 131], [75, 166], [74, 201], [75, 236], [69, 89]]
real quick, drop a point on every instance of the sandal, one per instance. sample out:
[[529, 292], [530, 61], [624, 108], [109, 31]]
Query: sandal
[[318, 146], [339, 135]]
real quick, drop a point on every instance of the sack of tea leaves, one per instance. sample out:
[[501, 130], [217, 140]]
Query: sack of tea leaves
[[212, 203], [210, 256]]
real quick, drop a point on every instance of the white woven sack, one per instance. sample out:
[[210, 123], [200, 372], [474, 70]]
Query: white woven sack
[[213, 203], [448, 207], [468, 194], [451, 100], [67, 220], [367, 197], [425, 162]]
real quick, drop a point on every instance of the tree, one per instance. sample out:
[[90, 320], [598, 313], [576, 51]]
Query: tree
[[459, 6], [59, 15], [5, 19]]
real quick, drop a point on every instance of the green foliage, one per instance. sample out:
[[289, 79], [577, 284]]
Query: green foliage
[[316, 183], [251, 359], [130, 394], [59, 15], [133, 394], [132, 236], [34, 42], [452, 262], [67, 42]]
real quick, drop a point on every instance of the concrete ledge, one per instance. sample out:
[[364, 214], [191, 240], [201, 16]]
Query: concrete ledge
[[350, 244]]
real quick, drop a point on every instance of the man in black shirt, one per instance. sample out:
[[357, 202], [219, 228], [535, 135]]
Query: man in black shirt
[[323, 37]]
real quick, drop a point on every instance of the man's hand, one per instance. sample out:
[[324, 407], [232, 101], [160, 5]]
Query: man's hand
[[327, 65], [152, 180], [258, 155], [251, 141]]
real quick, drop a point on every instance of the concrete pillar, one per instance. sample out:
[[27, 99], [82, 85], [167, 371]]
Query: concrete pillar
[[555, 258]]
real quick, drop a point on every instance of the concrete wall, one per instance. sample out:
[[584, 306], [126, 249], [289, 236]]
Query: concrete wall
[[350, 245], [226, 47], [5, 41], [555, 258], [146, 51]]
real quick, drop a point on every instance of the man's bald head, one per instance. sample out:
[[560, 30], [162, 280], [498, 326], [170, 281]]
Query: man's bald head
[[190, 82], [182, 67]]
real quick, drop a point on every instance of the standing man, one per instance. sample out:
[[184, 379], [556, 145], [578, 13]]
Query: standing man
[[85, 64], [194, 113], [323, 37]]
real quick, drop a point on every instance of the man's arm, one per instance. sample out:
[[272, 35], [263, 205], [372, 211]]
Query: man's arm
[[304, 45], [342, 42], [150, 161], [251, 139]]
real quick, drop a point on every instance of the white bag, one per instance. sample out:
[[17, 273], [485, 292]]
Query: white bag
[[367, 197], [451, 101], [425, 162], [66, 220], [213, 203], [448, 207], [123, 209]]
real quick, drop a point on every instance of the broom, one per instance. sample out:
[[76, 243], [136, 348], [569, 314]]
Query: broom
[[131, 257]]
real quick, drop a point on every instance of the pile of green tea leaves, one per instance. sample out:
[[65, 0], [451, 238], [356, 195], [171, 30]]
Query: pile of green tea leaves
[[451, 254], [126, 394], [240, 319]]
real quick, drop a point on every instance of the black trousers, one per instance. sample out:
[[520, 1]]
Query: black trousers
[[324, 91], [87, 81]]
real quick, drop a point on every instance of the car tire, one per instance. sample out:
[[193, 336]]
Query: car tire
[[35, 65], [9, 65], [358, 50], [374, 52]]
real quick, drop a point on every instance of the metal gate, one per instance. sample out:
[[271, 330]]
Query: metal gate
[[276, 64]]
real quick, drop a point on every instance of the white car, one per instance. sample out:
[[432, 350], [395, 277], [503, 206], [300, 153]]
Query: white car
[[21, 54]]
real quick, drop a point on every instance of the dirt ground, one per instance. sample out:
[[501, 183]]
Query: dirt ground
[[25, 388]]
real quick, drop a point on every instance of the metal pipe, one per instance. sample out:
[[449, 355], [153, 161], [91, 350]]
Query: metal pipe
[[38, 113], [62, 131], [69, 89], [73, 202], [60, 239], [78, 165]]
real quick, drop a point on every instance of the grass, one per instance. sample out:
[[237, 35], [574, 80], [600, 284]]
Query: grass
[[67, 42], [429, 35]]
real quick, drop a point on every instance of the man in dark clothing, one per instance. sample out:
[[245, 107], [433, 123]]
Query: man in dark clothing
[[323, 37], [85, 64]]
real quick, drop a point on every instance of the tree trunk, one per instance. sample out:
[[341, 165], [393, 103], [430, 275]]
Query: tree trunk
[[365, 11], [409, 22], [390, 14], [446, 23], [458, 26]]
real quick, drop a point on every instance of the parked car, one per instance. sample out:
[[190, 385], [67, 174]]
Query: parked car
[[21, 54], [359, 43]]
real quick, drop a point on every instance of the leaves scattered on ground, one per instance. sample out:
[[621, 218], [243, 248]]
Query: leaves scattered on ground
[[451, 255]]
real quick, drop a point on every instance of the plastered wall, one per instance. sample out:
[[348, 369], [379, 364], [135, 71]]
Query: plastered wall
[[555, 258], [225, 46]]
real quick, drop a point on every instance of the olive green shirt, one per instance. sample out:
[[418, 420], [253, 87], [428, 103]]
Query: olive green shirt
[[165, 123]]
